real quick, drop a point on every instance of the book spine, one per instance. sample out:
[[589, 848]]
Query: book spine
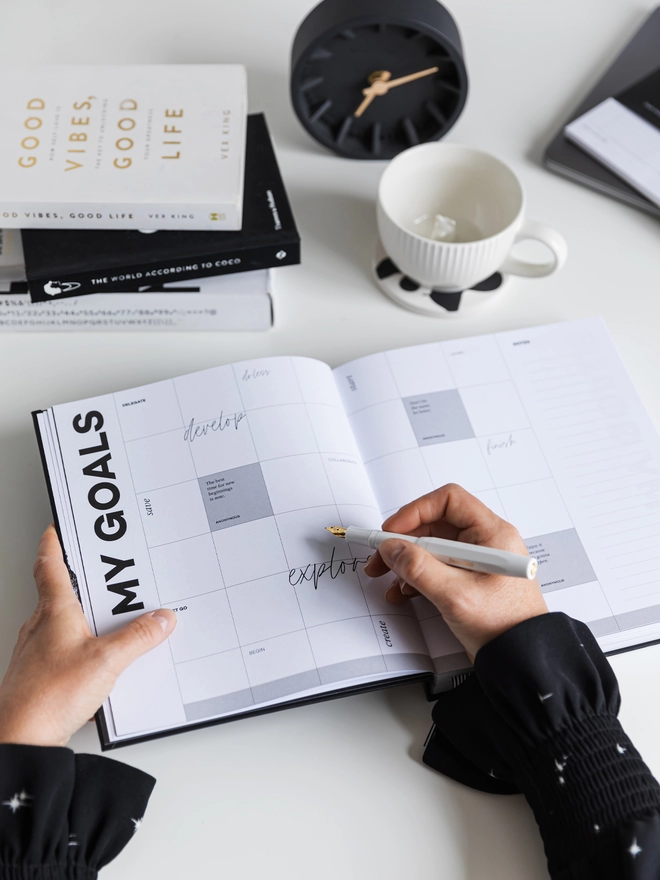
[[133, 278], [99, 717], [49, 486], [142, 312], [222, 217]]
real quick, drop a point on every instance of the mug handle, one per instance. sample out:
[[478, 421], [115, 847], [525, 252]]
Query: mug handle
[[549, 237]]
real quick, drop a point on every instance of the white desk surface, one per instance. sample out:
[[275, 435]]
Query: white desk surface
[[336, 789]]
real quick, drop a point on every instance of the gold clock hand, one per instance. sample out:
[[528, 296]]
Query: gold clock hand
[[363, 106], [375, 89], [406, 79], [382, 84]]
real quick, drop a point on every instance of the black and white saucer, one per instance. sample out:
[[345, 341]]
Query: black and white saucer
[[409, 294]]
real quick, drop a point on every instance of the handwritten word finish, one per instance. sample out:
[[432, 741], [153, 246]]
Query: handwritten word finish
[[494, 445]]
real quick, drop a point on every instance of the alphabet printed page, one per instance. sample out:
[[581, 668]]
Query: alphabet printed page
[[209, 494], [546, 428]]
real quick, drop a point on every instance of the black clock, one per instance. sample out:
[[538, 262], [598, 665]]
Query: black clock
[[370, 78]]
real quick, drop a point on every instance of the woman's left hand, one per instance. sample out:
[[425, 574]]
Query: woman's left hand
[[60, 674]]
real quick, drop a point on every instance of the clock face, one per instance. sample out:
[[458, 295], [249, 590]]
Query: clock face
[[373, 90]]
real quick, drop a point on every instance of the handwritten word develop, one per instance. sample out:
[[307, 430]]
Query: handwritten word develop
[[222, 423]]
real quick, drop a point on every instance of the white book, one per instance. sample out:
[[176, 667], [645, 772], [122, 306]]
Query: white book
[[209, 494], [242, 301], [122, 147]]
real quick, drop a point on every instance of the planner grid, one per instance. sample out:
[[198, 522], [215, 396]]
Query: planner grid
[[228, 477], [550, 443], [606, 455], [241, 553]]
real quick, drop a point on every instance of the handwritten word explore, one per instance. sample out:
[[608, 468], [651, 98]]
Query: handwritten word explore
[[222, 423], [315, 571]]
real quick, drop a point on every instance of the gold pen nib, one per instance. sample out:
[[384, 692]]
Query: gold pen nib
[[337, 531]]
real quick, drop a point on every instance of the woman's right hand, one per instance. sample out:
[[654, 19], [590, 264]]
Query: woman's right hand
[[477, 607]]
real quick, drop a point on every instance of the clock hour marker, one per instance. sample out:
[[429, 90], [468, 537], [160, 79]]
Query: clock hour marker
[[375, 138], [349, 34], [343, 131], [311, 83], [320, 54], [411, 131], [451, 88], [432, 108], [321, 111]]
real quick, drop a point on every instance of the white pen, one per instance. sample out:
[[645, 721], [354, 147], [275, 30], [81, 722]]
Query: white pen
[[455, 553]]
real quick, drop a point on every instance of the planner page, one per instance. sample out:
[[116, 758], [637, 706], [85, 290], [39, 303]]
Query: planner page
[[209, 494], [546, 428]]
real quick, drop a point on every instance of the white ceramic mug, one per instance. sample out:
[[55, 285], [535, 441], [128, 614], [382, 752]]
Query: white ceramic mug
[[485, 199]]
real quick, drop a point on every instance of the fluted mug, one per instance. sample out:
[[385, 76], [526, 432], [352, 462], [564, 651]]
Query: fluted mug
[[480, 205]]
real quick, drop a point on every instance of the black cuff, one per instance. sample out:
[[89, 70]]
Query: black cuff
[[46, 872], [544, 673], [461, 744], [65, 816], [583, 782], [556, 698]]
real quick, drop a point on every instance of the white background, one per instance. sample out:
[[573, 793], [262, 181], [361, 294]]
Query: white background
[[336, 789]]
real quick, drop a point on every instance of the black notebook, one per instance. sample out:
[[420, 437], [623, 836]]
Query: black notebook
[[639, 59], [60, 263], [623, 134]]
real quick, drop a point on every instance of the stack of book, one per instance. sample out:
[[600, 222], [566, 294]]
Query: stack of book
[[623, 132], [138, 198]]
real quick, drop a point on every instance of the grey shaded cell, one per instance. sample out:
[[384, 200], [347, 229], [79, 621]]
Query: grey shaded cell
[[412, 662], [338, 672], [641, 617], [284, 687], [351, 669], [292, 685], [563, 561], [605, 626], [235, 496], [439, 417], [216, 706]]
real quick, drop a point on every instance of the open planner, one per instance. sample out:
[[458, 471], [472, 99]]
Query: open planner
[[209, 494]]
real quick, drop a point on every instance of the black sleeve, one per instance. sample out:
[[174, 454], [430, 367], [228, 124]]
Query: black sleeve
[[539, 717], [64, 816]]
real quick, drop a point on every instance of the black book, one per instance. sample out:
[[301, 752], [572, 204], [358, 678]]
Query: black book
[[61, 263], [623, 134], [636, 61]]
